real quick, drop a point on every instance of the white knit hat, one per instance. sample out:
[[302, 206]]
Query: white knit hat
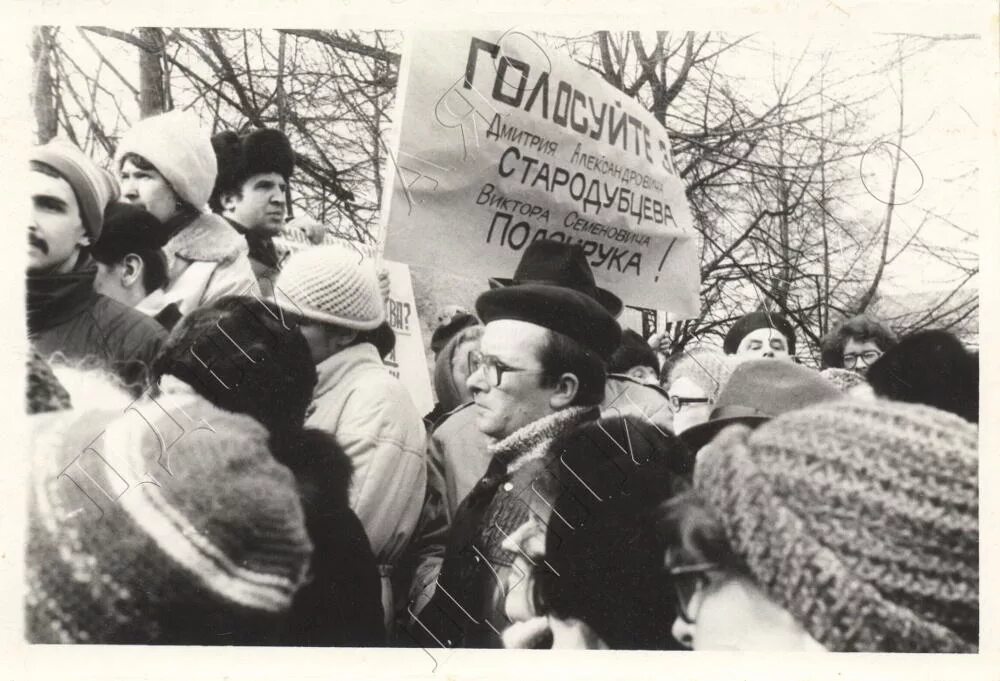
[[333, 284], [180, 149]]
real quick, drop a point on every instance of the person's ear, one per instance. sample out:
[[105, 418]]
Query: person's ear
[[228, 201], [564, 392], [131, 270], [642, 373]]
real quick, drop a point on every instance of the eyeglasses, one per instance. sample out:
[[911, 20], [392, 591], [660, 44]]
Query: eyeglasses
[[493, 367], [851, 360], [688, 581], [678, 403]]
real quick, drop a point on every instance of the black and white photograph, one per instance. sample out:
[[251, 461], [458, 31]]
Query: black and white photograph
[[411, 340]]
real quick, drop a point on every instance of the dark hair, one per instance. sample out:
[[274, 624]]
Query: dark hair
[[142, 163], [692, 533], [154, 264], [933, 368], [861, 328], [603, 556], [560, 355], [46, 169], [633, 352], [237, 353]]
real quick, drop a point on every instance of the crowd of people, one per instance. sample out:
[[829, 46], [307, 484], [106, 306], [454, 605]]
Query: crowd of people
[[220, 455]]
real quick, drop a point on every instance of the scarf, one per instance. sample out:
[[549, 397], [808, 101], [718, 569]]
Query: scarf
[[261, 246], [54, 298]]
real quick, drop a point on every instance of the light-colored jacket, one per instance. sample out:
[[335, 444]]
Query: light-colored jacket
[[373, 419], [207, 260]]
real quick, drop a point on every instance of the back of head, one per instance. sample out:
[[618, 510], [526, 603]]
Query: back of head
[[242, 356], [858, 518], [633, 352], [930, 367], [129, 230], [861, 328], [601, 540]]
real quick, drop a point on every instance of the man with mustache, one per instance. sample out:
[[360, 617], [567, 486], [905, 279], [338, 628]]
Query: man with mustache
[[249, 193], [69, 194]]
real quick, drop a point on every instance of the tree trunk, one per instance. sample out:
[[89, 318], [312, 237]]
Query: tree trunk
[[151, 96], [42, 91]]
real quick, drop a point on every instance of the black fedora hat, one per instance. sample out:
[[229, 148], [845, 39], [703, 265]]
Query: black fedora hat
[[555, 263], [558, 308], [757, 391]]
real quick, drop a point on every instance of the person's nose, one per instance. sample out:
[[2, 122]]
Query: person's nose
[[769, 354], [683, 632], [476, 383], [129, 190]]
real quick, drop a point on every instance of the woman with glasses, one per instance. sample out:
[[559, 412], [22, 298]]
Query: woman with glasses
[[856, 344], [842, 526], [693, 381]]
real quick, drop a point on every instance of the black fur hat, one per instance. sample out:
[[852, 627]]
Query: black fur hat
[[240, 156]]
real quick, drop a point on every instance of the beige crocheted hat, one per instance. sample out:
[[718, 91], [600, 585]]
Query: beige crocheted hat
[[334, 285]]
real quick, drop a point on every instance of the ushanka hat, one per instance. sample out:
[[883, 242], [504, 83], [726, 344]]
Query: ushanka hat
[[556, 308], [242, 156], [859, 519], [192, 537], [559, 264], [758, 320]]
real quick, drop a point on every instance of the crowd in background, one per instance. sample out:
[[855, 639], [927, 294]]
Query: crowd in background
[[220, 455]]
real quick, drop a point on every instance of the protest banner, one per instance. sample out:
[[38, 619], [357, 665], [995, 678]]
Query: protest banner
[[503, 142], [408, 361]]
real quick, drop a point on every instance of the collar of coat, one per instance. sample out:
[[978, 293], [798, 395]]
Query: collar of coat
[[334, 369], [531, 441], [208, 238]]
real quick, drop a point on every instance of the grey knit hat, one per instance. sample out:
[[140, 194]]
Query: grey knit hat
[[860, 519]]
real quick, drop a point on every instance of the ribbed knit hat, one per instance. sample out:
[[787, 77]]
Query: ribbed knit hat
[[93, 186], [708, 368], [334, 285], [122, 551], [860, 519], [179, 148]]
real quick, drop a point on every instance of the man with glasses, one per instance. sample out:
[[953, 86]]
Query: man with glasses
[[538, 373], [856, 344]]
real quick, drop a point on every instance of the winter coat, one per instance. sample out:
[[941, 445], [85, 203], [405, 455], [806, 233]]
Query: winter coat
[[373, 420], [522, 480], [206, 260], [457, 458], [66, 315], [341, 602]]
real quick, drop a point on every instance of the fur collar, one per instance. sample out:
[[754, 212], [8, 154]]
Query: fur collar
[[531, 441], [207, 238]]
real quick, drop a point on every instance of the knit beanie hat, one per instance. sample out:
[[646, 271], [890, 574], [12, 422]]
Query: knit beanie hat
[[708, 368], [860, 519], [180, 149], [93, 186], [332, 284], [749, 323], [192, 537]]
